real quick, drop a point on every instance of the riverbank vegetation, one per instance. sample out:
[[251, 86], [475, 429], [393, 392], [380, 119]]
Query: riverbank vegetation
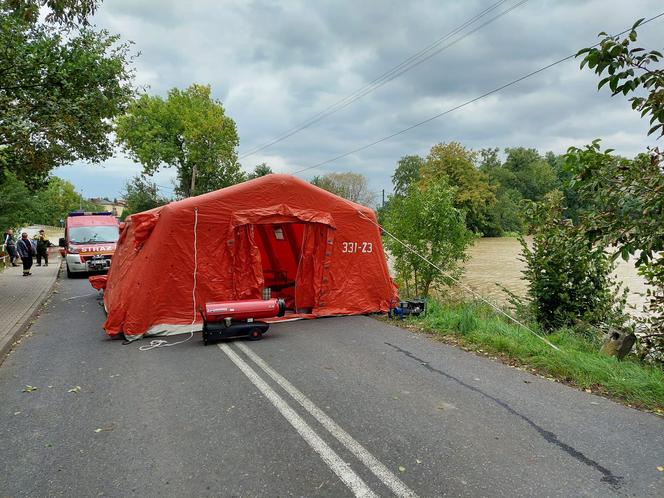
[[582, 210], [489, 190]]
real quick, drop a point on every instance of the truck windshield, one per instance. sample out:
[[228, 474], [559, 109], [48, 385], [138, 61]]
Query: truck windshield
[[98, 233]]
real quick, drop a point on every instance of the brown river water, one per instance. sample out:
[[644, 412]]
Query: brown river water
[[497, 260]]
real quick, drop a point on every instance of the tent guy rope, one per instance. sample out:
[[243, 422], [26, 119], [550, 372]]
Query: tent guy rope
[[465, 287], [161, 343]]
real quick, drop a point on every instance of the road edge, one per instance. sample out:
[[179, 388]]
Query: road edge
[[7, 342], [458, 342]]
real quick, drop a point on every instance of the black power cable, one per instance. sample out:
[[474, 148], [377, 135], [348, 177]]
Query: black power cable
[[405, 66], [468, 102]]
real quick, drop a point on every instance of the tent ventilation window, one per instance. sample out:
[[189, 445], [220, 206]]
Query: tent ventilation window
[[278, 233]]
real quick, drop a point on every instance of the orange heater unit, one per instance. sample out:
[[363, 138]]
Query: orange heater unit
[[229, 319]]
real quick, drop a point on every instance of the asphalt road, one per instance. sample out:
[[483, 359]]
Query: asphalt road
[[333, 407]]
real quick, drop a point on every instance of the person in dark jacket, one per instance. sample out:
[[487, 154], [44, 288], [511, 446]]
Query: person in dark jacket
[[42, 248], [10, 246], [26, 251]]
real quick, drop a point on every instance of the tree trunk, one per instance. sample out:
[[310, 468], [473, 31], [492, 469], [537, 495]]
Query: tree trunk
[[193, 180], [406, 280], [618, 343]]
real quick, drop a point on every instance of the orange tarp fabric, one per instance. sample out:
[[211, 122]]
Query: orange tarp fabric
[[321, 253], [98, 281]]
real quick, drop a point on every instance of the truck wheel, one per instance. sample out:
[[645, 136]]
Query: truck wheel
[[69, 274], [255, 335]]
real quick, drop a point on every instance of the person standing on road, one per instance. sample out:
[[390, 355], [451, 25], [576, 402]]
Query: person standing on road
[[10, 246], [42, 248], [26, 251]]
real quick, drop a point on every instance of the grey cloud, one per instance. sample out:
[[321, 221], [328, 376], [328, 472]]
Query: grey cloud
[[274, 64]]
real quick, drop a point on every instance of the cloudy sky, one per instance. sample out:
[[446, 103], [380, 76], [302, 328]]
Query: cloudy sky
[[276, 64]]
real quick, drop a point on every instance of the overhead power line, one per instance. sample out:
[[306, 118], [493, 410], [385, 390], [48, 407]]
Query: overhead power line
[[464, 104], [406, 65]]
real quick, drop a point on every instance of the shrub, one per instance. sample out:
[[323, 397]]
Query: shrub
[[569, 278]]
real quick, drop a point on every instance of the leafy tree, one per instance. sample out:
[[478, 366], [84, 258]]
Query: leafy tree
[[14, 201], [628, 199], [629, 193], [140, 194], [428, 222], [506, 214], [406, 174], [59, 198], [569, 277], [351, 186], [58, 92], [630, 69], [456, 164], [524, 175], [575, 205], [489, 159], [628, 213], [67, 12], [260, 170], [46, 206], [188, 130], [532, 176]]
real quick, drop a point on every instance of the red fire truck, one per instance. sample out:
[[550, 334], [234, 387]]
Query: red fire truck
[[89, 241]]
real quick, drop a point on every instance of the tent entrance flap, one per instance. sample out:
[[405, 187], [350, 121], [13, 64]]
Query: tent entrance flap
[[284, 260], [280, 248]]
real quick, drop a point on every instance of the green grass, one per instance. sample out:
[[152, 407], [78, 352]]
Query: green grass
[[578, 363]]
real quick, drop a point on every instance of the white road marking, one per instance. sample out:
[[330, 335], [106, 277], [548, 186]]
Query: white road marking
[[373, 464], [338, 466]]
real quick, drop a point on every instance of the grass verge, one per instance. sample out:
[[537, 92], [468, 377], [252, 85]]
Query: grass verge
[[579, 363]]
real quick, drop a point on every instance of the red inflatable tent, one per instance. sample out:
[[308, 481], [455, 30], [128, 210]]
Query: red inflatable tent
[[275, 235]]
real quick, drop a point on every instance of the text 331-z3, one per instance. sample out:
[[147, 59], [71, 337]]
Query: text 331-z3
[[355, 247]]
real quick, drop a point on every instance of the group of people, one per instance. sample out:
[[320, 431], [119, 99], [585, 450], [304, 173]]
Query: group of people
[[26, 249]]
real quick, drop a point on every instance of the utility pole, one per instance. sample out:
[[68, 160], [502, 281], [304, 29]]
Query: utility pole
[[383, 198]]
